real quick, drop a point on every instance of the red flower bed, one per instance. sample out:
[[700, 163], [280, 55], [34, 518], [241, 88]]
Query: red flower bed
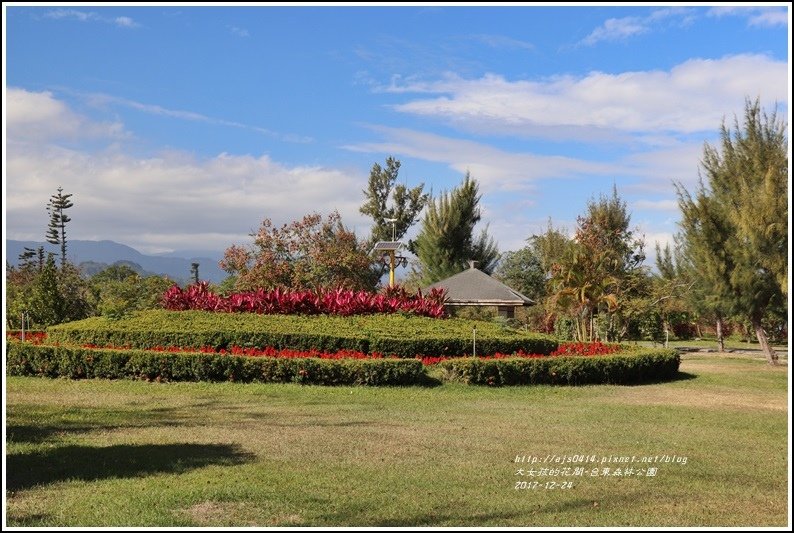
[[278, 301], [35, 337], [567, 349], [585, 349]]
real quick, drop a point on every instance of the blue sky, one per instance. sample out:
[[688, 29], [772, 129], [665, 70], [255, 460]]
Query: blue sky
[[179, 127]]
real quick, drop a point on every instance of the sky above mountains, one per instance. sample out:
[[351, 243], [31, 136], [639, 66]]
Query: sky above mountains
[[180, 127]]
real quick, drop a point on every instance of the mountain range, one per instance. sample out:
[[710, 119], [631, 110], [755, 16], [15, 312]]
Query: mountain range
[[92, 255]]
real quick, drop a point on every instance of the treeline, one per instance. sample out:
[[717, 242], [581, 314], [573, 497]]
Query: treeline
[[727, 270]]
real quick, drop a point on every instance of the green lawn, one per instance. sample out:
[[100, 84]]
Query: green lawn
[[711, 344], [103, 453]]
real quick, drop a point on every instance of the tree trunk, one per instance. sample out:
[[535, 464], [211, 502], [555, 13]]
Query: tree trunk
[[720, 338], [771, 356]]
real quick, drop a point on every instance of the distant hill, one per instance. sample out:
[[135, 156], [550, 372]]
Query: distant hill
[[110, 252], [92, 268]]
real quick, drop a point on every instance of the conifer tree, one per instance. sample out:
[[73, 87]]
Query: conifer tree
[[56, 230], [446, 243], [406, 204], [735, 225]]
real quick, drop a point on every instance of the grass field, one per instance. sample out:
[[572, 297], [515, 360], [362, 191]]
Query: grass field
[[102, 453]]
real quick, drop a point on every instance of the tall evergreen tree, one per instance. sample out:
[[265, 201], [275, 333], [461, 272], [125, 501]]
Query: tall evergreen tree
[[56, 230], [734, 227], [406, 204], [48, 305], [446, 242], [550, 247]]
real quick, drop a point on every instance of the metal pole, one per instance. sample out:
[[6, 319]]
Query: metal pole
[[474, 341], [391, 268], [23, 326]]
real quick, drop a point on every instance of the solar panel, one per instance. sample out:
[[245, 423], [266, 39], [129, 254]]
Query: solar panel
[[387, 246]]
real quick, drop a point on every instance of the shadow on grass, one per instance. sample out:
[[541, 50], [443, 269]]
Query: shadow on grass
[[39, 425], [88, 463], [450, 518], [429, 381], [679, 376]]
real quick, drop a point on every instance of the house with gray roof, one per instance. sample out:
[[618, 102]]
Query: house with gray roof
[[473, 287]]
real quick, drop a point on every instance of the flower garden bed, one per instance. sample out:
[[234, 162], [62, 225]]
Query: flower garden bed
[[388, 334], [569, 364]]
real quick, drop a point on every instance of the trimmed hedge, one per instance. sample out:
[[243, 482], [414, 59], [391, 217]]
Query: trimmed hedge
[[24, 359], [639, 366], [393, 334]]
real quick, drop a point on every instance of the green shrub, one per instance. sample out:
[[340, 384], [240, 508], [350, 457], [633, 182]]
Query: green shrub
[[24, 359], [638, 366], [565, 328], [387, 334]]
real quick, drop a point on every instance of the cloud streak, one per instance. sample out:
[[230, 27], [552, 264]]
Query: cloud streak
[[690, 97], [90, 16], [620, 29], [760, 17], [102, 100]]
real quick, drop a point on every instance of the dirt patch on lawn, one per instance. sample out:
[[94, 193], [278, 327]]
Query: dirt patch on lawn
[[710, 399], [236, 514]]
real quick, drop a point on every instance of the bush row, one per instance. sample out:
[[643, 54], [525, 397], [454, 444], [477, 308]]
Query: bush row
[[24, 359], [386, 334], [640, 366]]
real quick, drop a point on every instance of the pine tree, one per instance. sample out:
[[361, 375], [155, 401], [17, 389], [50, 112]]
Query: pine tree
[[48, 304], [735, 226], [56, 230], [446, 242], [406, 204]]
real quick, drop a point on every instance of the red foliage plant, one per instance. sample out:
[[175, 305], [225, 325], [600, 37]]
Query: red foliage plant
[[344, 302]]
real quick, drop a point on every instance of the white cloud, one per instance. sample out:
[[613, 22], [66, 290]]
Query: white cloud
[[171, 200], [157, 202], [239, 32], [764, 17], [656, 205], [126, 22], [39, 116], [90, 16], [618, 29], [102, 100], [502, 41], [693, 96], [495, 169]]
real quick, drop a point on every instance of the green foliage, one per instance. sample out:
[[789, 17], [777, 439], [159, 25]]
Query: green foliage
[[49, 296], [523, 271], [386, 334], [56, 229], [406, 204], [651, 326], [119, 290], [601, 270], [639, 366], [47, 304], [735, 226], [446, 241], [565, 328], [306, 254], [24, 359], [550, 247]]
